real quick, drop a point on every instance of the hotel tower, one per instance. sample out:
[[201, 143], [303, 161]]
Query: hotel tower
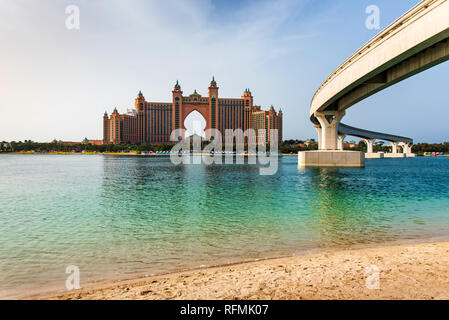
[[153, 122]]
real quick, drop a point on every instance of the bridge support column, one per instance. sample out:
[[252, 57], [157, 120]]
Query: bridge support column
[[407, 150], [370, 150], [329, 121], [404, 147], [394, 147], [329, 153], [369, 145], [318, 129], [341, 142], [394, 151]]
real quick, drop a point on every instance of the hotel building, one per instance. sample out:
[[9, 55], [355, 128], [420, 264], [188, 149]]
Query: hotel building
[[153, 122]]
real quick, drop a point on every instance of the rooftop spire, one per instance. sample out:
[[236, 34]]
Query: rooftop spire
[[213, 84]]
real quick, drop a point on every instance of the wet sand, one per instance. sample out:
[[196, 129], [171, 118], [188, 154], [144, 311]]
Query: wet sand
[[406, 271]]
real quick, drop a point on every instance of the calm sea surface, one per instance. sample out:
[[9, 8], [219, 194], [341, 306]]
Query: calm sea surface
[[115, 216]]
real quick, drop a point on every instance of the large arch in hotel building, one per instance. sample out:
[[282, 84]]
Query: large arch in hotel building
[[195, 123], [202, 110]]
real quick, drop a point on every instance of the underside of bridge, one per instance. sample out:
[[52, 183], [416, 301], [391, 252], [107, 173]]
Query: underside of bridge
[[344, 129], [371, 136], [417, 41], [330, 116]]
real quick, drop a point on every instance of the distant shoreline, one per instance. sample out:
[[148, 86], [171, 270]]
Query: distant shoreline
[[157, 154], [129, 153], [407, 270]]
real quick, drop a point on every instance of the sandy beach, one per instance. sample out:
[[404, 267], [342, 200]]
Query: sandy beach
[[406, 271]]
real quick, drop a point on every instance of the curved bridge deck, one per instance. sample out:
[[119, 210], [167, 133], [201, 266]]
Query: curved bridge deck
[[418, 40], [366, 134]]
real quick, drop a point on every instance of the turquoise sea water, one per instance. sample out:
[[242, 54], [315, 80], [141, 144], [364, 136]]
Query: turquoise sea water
[[115, 216]]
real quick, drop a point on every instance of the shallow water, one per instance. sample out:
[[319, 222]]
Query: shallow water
[[118, 215]]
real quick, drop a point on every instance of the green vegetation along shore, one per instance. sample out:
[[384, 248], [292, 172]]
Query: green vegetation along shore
[[287, 147]]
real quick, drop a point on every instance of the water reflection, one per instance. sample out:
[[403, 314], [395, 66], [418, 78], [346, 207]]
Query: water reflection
[[208, 208], [198, 209], [342, 212], [123, 214]]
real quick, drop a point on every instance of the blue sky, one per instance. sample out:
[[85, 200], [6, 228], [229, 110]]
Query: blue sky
[[57, 83]]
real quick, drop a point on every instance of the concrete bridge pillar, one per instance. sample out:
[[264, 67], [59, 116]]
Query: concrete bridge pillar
[[409, 148], [329, 121], [394, 147], [330, 153], [403, 146], [341, 142], [369, 145], [406, 147], [318, 129]]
